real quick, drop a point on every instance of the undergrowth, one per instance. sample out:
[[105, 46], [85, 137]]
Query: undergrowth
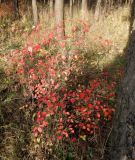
[[51, 107]]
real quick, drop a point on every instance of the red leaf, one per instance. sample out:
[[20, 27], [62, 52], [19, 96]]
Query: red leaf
[[45, 123], [37, 47], [59, 137], [40, 130], [82, 95], [73, 139], [90, 106], [98, 115], [72, 100]]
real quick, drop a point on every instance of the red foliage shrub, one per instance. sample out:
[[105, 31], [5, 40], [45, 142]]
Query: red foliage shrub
[[64, 112]]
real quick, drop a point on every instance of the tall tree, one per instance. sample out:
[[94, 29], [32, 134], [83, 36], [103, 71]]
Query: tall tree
[[123, 134], [97, 10], [59, 17], [84, 9], [35, 12]]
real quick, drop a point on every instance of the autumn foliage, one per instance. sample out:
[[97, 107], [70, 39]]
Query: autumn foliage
[[63, 108]]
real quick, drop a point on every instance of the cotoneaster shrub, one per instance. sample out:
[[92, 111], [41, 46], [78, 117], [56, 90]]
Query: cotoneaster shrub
[[61, 112]]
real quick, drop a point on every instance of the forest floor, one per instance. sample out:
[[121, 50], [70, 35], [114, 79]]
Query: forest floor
[[105, 47]]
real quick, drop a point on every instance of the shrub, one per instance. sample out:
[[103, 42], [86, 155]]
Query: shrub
[[49, 70]]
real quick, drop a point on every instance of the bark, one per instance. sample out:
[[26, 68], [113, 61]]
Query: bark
[[78, 6], [35, 12], [84, 10], [120, 2], [59, 18], [16, 8], [51, 7], [111, 4], [123, 134], [105, 6], [71, 8], [97, 10]]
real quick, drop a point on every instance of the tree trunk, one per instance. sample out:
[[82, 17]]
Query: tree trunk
[[105, 6], [111, 4], [71, 8], [84, 10], [51, 7], [78, 6], [97, 10], [16, 8], [35, 12], [59, 18], [123, 134]]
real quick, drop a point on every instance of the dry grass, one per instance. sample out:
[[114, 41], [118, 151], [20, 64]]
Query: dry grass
[[113, 27]]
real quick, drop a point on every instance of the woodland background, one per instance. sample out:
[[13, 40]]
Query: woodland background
[[61, 66]]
